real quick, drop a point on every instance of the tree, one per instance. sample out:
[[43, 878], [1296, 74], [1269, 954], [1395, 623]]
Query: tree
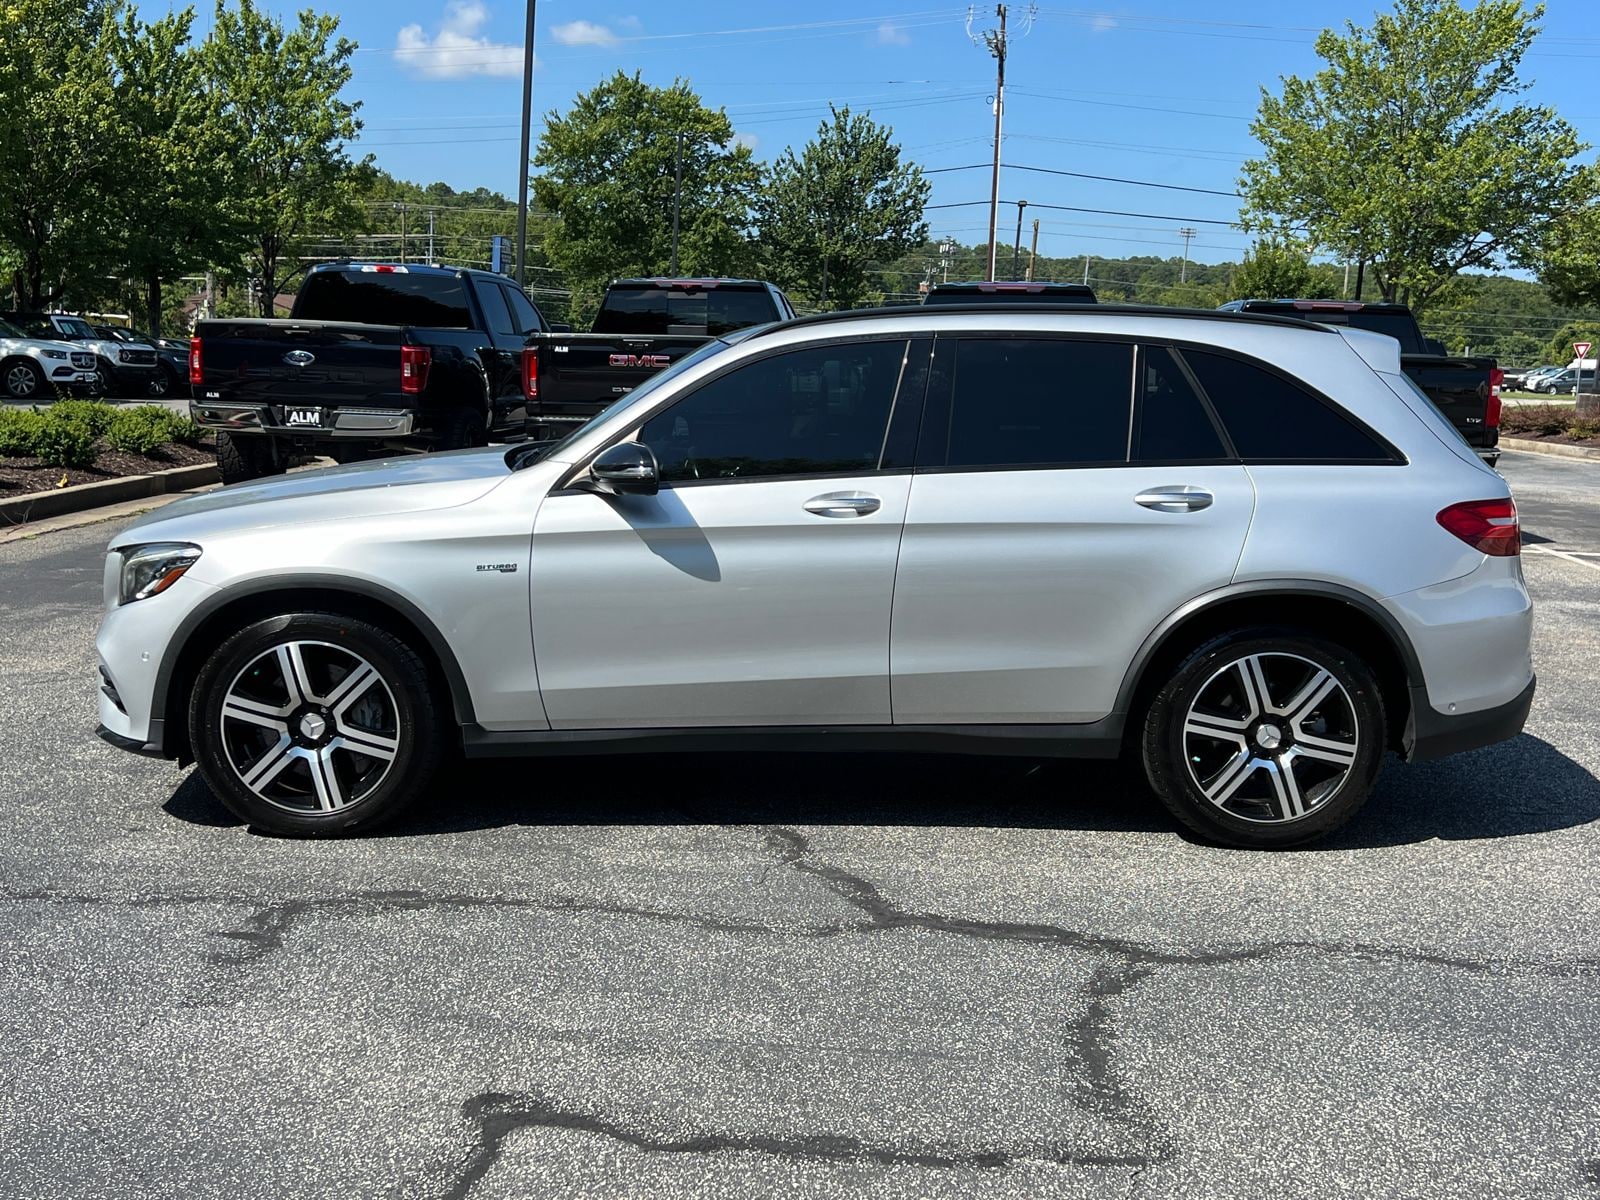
[[607, 181], [1560, 344], [1568, 262], [846, 202], [58, 132], [1409, 152], [276, 94], [1274, 268]]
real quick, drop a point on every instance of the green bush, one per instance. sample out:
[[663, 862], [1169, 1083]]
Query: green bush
[[94, 415], [64, 442], [181, 429], [142, 430], [19, 432]]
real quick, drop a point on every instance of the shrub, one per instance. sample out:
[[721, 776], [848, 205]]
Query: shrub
[[1583, 431], [64, 442], [181, 429], [1540, 419], [140, 430], [19, 432], [94, 415]]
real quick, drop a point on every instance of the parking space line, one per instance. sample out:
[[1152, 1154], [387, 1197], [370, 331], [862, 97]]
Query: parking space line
[[1573, 558]]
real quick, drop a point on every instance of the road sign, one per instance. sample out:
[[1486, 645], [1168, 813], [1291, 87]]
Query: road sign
[[1581, 349]]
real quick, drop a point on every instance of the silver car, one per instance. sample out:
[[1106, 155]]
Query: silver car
[[1245, 551]]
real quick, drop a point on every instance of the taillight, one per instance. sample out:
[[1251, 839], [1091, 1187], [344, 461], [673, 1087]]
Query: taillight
[[414, 364], [197, 373], [1489, 526], [1497, 377], [530, 373]]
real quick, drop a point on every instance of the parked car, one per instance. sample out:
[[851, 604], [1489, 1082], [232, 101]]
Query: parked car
[[643, 326], [31, 368], [1012, 291], [1467, 390], [1256, 571], [1523, 380], [1563, 382], [171, 356], [123, 368]]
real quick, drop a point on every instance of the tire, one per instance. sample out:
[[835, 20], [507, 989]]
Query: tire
[[461, 428], [312, 724], [242, 459], [22, 377], [105, 380], [164, 383], [1263, 767]]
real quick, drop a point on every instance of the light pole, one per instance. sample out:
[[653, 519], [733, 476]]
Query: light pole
[[1016, 246], [1183, 272], [522, 162]]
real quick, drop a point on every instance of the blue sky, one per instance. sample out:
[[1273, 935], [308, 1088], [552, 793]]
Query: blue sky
[[1159, 91]]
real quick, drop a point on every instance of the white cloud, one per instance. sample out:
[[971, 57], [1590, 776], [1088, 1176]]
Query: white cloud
[[583, 33], [631, 24], [890, 34], [458, 50], [1102, 23]]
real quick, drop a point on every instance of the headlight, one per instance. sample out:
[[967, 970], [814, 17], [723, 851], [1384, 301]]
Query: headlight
[[150, 570], [54, 353]]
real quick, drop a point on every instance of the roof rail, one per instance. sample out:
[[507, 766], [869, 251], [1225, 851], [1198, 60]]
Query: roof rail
[[1034, 308]]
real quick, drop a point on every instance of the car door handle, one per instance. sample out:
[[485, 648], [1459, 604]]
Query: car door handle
[[1175, 499], [843, 504]]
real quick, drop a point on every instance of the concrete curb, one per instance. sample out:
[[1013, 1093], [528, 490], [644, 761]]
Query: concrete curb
[[1554, 449], [38, 505]]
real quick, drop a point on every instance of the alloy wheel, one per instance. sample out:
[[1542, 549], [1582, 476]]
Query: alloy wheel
[[310, 727], [1270, 738], [22, 381]]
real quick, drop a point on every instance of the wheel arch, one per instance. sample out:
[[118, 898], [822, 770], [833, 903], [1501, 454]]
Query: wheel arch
[[1328, 610], [230, 610]]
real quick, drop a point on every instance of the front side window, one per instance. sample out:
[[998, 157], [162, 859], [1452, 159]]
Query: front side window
[[821, 410], [1017, 402]]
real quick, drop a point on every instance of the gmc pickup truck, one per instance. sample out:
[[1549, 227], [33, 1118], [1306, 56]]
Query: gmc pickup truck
[[643, 325], [372, 358], [1465, 390]]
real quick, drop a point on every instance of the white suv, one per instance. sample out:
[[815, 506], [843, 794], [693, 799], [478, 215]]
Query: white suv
[[32, 368], [1246, 551]]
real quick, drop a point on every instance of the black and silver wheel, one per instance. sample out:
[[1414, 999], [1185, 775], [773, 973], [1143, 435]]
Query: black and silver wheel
[[162, 383], [105, 380], [22, 378], [314, 724], [1266, 740], [241, 459]]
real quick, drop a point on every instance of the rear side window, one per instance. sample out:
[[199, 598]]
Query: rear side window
[[658, 310], [495, 311], [1170, 422], [1017, 402], [1270, 418], [523, 313], [385, 298]]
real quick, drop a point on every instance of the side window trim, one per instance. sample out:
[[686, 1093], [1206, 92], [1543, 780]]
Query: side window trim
[[1230, 453]]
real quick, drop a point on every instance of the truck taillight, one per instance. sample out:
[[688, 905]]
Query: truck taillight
[[414, 364], [1497, 378], [197, 373], [1489, 526], [530, 373]]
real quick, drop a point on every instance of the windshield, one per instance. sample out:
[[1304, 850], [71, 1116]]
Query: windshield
[[523, 456], [657, 311], [76, 326], [7, 329]]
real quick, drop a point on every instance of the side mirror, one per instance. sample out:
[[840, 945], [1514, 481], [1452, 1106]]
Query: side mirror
[[628, 468]]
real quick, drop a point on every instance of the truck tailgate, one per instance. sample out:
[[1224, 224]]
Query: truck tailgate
[[582, 370], [1460, 389], [283, 362]]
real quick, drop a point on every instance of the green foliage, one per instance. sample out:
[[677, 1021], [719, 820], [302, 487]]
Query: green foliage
[[846, 201], [1276, 268], [1409, 151], [1568, 261], [94, 415], [180, 429], [141, 430], [1559, 347], [608, 180], [19, 432], [61, 441]]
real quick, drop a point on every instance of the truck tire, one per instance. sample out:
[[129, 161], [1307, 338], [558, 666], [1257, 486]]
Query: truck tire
[[23, 379], [243, 459], [462, 427]]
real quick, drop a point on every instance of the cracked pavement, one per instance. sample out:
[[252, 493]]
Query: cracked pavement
[[791, 975]]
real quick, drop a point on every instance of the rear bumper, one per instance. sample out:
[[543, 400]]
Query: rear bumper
[[341, 422], [1433, 734]]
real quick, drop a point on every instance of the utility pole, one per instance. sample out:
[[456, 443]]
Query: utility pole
[[677, 192], [1183, 272], [1346, 292], [1085, 270], [402, 208], [430, 237], [522, 162], [1016, 246], [947, 250], [995, 40], [1033, 250], [1361, 270]]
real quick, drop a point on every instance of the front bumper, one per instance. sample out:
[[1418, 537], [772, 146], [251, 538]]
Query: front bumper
[[267, 419], [1433, 734], [151, 749]]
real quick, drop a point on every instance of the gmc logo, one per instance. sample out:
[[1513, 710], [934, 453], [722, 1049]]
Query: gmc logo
[[640, 360]]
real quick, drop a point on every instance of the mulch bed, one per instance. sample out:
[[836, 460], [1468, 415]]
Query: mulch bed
[[1554, 437], [19, 476]]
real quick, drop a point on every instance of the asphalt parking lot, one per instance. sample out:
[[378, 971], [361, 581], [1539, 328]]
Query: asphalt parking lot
[[799, 976]]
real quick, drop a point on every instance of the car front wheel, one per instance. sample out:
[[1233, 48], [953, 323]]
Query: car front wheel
[[314, 724], [1265, 739], [22, 378]]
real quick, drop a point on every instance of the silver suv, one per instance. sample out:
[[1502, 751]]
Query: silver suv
[[1246, 551]]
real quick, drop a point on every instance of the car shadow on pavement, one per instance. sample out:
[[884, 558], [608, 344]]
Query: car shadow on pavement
[[1525, 786]]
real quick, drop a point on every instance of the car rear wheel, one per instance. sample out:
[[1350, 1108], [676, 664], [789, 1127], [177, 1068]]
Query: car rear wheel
[[463, 427], [241, 459], [22, 378], [313, 724], [1265, 739]]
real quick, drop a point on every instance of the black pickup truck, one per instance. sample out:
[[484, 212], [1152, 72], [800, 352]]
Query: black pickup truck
[[643, 326], [1011, 291], [1465, 390], [372, 358]]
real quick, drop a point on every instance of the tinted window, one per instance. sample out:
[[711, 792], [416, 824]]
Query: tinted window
[[1268, 417], [820, 410], [660, 310], [1171, 423], [495, 310], [1401, 326], [385, 298], [523, 312], [1032, 403]]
